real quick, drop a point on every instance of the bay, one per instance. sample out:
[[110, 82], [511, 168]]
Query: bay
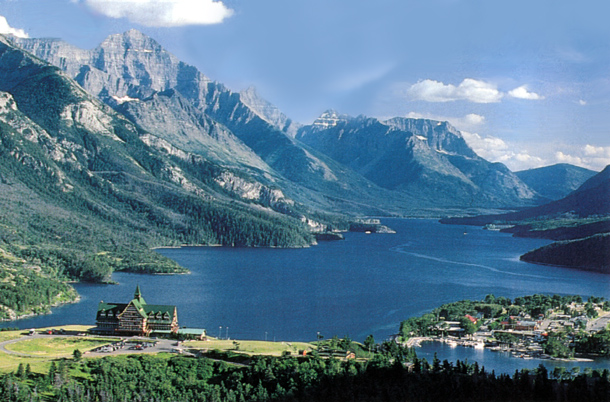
[[365, 284]]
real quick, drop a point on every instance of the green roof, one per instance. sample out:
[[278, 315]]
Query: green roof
[[140, 305], [138, 295], [114, 307]]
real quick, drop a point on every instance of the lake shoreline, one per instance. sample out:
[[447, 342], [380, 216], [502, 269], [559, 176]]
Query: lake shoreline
[[363, 285]]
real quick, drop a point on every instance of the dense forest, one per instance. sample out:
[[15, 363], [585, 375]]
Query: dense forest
[[591, 253], [389, 376]]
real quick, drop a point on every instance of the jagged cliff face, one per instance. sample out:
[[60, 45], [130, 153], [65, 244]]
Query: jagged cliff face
[[425, 156], [268, 112], [440, 135], [124, 65], [66, 141], [338, 162], [172, 117], [174, 101]]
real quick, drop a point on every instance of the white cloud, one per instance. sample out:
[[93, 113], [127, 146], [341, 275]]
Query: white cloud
[[5, 28], [474, 119], [486, 147], [522, 93], [162, 13], [495, 149], [594, 157], [528, 156], [560, 157], [469, 90], [582, 102], [591, 150]]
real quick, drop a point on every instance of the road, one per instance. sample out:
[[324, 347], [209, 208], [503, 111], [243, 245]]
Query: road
[[599, 323]]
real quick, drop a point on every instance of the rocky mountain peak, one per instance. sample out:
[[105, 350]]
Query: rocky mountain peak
[[440, 135], [330, 118], [268, 112], [132, 40]]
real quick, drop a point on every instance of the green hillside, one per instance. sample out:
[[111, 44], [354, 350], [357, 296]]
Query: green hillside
[[581, 220], [591, 254], [83, 195]]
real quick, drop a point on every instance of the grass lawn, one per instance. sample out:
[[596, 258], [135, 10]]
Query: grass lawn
[[44, 350], [55, 346], [251, 347], [67, 328], [8, 335]]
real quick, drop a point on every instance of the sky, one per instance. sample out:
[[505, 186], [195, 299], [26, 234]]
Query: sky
[[527, 82]]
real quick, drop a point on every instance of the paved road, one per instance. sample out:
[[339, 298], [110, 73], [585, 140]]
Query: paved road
[[162, 345], [599, 323]]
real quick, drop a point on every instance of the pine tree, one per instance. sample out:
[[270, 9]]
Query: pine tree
[[52, 372], [21, 371]]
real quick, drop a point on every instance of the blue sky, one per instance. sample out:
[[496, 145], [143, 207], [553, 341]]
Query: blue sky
[[527, 82]]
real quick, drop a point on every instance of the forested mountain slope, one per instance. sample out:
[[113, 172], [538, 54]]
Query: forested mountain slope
[[85, 191], [174, 101]]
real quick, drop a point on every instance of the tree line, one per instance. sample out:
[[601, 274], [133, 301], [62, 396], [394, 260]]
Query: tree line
[[392, 374]]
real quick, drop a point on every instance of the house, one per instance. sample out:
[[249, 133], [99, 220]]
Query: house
[[135, 317], [526, 326], [471, 318], [192, 333]]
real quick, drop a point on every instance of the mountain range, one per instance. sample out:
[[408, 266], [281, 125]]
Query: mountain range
[[86, 191], [419, 156], [388, 168], [109, 152]]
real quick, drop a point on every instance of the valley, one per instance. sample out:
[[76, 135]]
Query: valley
[[331, 201], [98, 168]]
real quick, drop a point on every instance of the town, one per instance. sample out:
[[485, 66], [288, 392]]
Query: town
[[538, 326]]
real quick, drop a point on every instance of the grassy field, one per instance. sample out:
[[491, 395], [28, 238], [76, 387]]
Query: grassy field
[[45, 350], [56, 347], [8, 335]]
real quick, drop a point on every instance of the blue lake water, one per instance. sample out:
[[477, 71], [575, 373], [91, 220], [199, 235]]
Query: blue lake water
[[363, 285]]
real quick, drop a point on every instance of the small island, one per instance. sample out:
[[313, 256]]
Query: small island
[[369, 226]]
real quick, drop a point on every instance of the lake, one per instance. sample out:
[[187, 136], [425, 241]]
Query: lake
[[365, 284]]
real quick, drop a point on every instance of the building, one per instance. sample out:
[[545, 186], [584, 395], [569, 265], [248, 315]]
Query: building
[[192, 333], [135, 318]]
